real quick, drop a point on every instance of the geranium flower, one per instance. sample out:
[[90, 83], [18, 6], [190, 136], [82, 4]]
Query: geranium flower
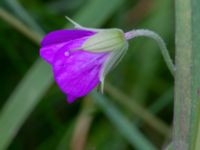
[[82, 57]]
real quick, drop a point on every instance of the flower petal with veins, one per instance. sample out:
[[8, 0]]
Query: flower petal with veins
[[81, 58], [77, 73], [57, 39]]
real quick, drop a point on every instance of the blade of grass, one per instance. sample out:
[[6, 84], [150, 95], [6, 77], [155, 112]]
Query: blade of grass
[[59, 140], [18, 25], [64, 141], [128, 130], [21, 103], [138, 110], [187, 84], [24, 15], [162, 102], [169, 147]]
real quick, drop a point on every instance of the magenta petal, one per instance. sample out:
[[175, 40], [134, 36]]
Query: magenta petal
[[57, 39], [70, 98], [77, 72], [61, 36], [48, 52]]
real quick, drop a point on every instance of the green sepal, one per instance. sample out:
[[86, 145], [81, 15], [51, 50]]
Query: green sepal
[[105, 41]]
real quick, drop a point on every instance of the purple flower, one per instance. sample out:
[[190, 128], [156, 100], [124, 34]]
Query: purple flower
[[80, 58]]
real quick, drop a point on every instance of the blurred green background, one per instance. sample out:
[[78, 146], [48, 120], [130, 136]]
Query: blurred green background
[[135, 111]]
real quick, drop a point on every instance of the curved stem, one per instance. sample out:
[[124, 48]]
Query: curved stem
[[147, 33]]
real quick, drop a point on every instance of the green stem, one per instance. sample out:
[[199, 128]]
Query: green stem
[[182, 104], [147, 33], [187, 78]]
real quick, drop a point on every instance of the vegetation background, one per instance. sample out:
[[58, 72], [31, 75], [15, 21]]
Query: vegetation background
[[135, 111]]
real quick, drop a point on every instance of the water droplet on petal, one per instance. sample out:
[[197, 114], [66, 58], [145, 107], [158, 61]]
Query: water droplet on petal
[[66, 53]]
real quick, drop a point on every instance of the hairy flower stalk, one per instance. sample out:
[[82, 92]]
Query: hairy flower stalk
[[82, 57], [147, 33]]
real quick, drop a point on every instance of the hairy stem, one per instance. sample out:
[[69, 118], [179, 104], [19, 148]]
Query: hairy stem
[[147, 33]]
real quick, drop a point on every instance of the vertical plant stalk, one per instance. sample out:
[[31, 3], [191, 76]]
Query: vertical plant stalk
[[187, 77], [196, 73], [183, 79], [147, 33], [182, 104]]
